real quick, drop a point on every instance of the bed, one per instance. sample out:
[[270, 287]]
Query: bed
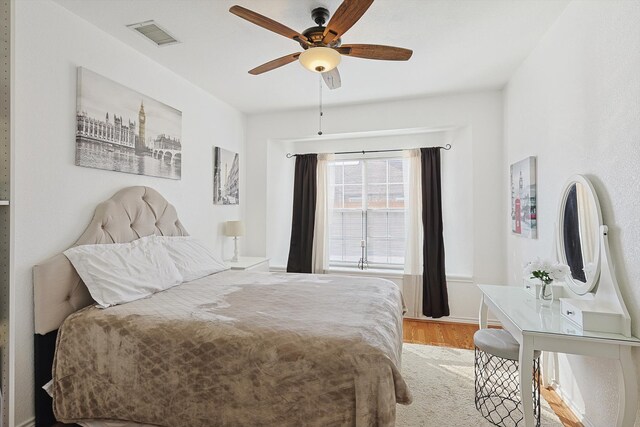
[[233, 348]]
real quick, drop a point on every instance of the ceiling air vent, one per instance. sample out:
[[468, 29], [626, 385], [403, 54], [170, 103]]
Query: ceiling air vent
[[154, 32]]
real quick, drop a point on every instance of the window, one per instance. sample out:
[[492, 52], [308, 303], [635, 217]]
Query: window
[[368, 213]]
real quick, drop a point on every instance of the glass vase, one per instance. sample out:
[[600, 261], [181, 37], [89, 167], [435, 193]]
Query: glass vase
[[546, 293]]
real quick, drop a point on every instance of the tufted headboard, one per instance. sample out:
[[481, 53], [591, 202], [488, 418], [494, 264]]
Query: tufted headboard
[[131, 213]]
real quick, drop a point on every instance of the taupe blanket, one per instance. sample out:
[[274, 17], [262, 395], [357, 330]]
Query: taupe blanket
[[238, 349]]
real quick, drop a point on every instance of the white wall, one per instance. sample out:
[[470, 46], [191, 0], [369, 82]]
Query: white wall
[[52, 199], [575, 104], [475, 161]]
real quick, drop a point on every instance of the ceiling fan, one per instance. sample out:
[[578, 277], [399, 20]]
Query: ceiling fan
[[323, 44]]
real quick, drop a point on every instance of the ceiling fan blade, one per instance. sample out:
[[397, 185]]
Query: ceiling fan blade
[[332, 79], [271, 65], [267, 23], [375, 51], [344, 17]]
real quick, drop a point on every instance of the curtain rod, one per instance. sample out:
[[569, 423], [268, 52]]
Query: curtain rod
[[446, 147]]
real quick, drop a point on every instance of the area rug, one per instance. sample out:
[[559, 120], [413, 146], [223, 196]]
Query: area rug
[[441, 381]]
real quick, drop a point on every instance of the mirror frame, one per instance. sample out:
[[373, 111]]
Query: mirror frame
[[577, 287]]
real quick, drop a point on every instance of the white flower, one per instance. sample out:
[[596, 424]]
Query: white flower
[[556, 271], [546, 266]]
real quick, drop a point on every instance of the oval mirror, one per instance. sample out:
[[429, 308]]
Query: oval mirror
[[579, 221]]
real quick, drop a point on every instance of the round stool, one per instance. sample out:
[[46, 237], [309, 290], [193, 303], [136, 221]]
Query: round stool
[[496, 378]]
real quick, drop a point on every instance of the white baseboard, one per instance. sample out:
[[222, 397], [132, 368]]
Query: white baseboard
[[571, 405], [455, 319], [31, 422]]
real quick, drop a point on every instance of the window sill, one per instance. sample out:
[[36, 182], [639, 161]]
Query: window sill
[[377, 272]]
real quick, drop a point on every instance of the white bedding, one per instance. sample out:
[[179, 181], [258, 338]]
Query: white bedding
[[123, 272], [192, 258], [239, 349], [97, 423]]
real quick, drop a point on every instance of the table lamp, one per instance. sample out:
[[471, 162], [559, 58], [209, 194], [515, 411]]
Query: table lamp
[[234, 229]]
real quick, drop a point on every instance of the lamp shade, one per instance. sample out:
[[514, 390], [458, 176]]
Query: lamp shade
[[320, 59], [233, 228]]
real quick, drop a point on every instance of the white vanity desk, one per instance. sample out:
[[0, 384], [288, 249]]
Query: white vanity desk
[[592, 300], [544, 328]]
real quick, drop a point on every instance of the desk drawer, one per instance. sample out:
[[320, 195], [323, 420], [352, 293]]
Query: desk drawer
[[571, 312], [592, 316]]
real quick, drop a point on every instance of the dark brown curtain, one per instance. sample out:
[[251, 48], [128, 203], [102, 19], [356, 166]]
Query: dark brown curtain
[[435, 301], [304, 214]]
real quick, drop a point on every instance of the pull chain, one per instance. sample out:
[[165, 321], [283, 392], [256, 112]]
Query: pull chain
[[320, 107]]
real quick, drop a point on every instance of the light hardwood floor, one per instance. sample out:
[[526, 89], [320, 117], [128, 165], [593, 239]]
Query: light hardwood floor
[[460, 335]]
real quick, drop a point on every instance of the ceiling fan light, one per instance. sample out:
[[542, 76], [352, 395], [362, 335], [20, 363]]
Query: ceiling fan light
[[320, 59]]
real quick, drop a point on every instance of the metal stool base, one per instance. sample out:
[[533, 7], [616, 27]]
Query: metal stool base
[[497, 390]]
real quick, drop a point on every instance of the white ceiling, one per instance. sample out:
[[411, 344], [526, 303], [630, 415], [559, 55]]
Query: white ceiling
[[459, 45]]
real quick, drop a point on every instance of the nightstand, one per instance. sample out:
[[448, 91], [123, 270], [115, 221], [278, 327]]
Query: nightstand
[[250, 263]]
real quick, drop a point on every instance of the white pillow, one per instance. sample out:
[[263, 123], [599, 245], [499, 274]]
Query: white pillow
[[122, 272], [192, 258]]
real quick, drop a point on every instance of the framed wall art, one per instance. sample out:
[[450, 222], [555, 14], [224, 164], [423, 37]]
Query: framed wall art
[[119, 129], [226, 177], [524, 218]]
